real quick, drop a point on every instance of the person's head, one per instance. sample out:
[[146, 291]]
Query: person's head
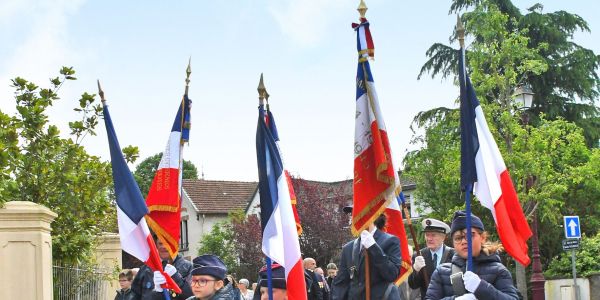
[[310, 264], [435, 233], [380, 222], [319, 270], [458, 234], [125, 279], [277, 281], [331, 270], [163, 252], [243, 284], [207, 276]]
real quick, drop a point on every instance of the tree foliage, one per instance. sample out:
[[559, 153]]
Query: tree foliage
[[145, 171], [586, 261], [324, 225], [220, 242], [554, 171], [40, 166], [570, 86]]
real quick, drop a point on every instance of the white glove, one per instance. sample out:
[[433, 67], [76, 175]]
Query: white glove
[[158, 280], [466, 297], [471, 280], [169, 269], [419, 263], [366, 239]]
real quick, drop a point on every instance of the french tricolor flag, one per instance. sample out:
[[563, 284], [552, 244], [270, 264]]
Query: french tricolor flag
[[164, 196], [395, 226], [375, 183], [482, 165], [280, 236], [131, 209]]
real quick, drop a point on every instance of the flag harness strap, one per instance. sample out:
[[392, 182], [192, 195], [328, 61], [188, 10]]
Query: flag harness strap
[[353, 270]]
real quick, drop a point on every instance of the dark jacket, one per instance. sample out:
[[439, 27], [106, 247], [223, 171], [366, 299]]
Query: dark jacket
[[314, 291], [496, 281], [124, 295], [416, 280], [384, 266], [226, 293], [183, 266], [143, 286]]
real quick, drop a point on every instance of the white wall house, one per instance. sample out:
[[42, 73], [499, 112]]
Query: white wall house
[[207, 202]]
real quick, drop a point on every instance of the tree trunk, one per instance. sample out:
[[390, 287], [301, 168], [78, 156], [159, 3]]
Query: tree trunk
[[521, 279]]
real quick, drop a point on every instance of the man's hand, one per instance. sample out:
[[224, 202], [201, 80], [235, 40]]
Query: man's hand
[[366, 239], [169, 269], [419, 263], [158, 280]]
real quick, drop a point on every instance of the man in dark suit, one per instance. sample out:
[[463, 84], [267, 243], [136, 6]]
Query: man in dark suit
[[383, 251], [434, 254]]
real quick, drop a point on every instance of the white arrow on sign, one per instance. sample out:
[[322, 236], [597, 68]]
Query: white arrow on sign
[[573, 226]]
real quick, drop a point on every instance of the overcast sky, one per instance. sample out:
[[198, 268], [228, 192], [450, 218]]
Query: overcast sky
[[305, 48]]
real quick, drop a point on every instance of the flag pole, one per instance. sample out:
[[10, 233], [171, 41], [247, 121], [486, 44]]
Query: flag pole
[[263, 97], [412, 233], [101, 94], [460, 32], [362, 10]]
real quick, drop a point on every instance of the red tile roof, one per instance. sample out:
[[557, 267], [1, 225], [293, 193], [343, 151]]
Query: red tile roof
[[217, 197]]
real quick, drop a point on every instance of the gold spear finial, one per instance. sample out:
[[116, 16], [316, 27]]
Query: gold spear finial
[[101, 92], [460, 31], [362, 8], [188, 71], [262, 91]]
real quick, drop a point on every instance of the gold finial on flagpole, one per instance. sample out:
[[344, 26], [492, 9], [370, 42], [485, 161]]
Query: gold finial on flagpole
[[188, 71], [460, 31], [262, 91], [101, 92], [362, 8]]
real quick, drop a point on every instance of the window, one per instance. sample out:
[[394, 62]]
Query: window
[[183, 241]]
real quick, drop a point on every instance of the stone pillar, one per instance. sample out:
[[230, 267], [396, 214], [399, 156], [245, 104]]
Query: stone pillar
[[26, 251], [108, 256]]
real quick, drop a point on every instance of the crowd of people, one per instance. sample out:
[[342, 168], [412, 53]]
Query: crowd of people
[[368, 268]]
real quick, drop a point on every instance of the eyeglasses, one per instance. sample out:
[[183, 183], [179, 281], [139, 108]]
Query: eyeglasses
[[124, 280], [460, 238], [200, 282]]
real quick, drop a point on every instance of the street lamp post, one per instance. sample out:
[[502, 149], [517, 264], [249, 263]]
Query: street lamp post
[[524, 98]]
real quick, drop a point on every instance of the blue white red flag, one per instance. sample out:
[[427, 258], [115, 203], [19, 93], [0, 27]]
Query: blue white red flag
[[376, 183], [164, 196], [395, 226], [270, 122], [131, 209], [280, 237], [482, 166]]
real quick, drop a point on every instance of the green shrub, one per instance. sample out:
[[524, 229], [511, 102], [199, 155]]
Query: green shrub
[[586, 260]]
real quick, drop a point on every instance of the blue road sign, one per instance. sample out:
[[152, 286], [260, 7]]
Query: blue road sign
[[572, 229]]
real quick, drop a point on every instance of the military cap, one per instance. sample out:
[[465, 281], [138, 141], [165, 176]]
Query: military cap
[[433, 225], [459, 221], [211, 265], [277, 276]]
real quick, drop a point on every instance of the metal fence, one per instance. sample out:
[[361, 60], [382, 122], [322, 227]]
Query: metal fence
[[72, 283]]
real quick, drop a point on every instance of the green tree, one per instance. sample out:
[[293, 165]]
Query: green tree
[[586, 262], [552, 155], [569, 88], [145, 171], [220, 242], [40, 166]]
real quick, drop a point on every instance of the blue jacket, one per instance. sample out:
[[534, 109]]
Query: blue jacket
[[384, 266], [496, 281]]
